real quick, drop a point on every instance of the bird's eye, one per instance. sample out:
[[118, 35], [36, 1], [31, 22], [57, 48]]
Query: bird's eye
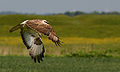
[[46, 22]]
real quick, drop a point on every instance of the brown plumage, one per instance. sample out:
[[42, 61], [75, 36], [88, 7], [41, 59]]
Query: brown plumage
[[30, 33], [45, 29]]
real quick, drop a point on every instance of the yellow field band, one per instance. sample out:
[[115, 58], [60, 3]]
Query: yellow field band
[[69, 40]]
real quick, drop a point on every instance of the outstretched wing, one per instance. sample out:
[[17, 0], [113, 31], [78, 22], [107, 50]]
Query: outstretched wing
[[45, 29], [34, 44]]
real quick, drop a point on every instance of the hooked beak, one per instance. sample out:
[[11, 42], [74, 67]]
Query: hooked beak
[[15, 28]]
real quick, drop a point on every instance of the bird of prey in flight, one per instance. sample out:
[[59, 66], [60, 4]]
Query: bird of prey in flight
[[31, 31]]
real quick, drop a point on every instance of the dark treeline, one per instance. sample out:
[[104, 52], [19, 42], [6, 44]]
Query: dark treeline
[[68, 13], [75, 13]]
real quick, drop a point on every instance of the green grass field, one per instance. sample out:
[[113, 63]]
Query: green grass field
[[91, 44], [90, 26], [59, 64]]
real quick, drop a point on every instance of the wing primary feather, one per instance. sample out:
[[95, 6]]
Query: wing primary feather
[[41, 57], [35, 59], [38, 58], [59, 43]]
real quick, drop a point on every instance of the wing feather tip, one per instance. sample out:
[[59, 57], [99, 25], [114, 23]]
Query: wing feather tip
[[58, 43], [35, 59]]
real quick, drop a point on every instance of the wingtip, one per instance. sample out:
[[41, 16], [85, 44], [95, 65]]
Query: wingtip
[[38, 58], [10, 31], [58, 43], [35, 59], [15, 28]]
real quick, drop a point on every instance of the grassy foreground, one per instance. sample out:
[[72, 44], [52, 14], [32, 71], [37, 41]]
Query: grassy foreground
[[59, 64]]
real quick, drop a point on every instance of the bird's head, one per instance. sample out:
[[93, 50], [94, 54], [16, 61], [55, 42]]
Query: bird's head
[[45, 22]]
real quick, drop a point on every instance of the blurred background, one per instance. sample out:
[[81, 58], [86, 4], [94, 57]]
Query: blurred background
[[87, 28]]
